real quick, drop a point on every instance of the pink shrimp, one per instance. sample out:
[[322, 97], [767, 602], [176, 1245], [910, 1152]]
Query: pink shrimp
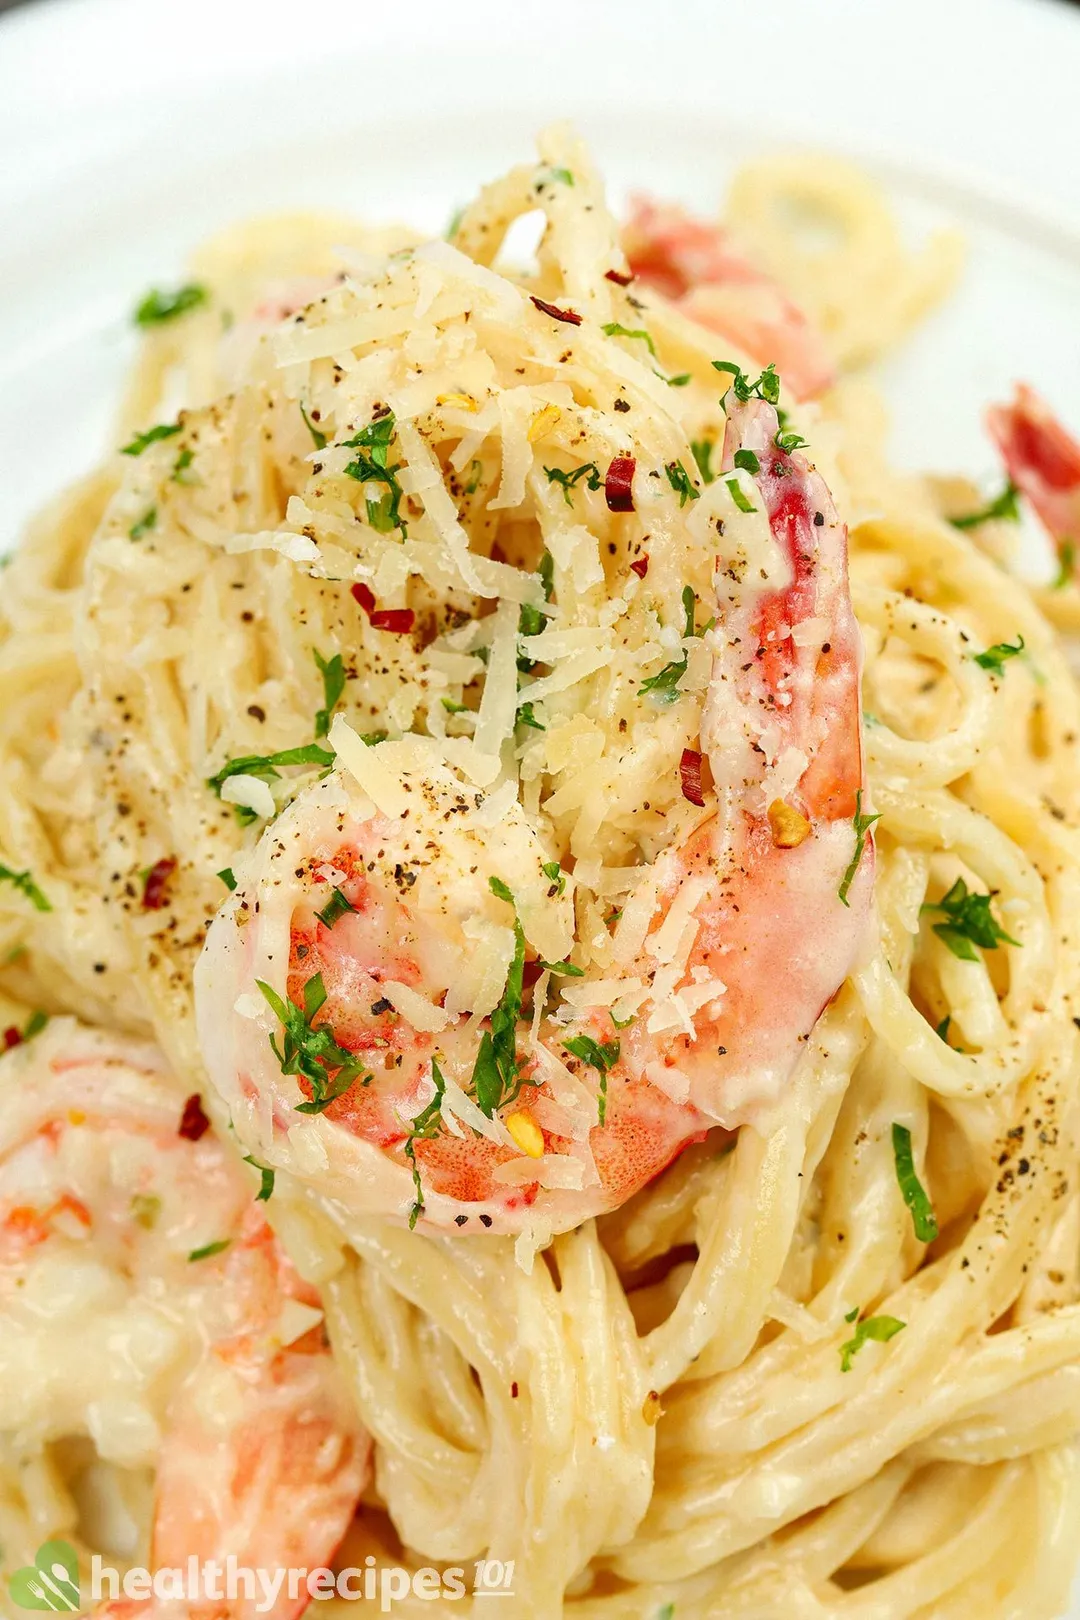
[[1043, 460], [694, 264], [197, 1347], [441, 1117]]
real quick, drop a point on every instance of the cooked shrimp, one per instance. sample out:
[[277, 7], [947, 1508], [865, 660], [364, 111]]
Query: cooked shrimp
[[200, 1350], [1043, 460], [695, 265], [354, 1006]]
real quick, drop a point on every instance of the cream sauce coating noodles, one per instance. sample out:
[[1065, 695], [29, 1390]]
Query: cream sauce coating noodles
[[439, 733]]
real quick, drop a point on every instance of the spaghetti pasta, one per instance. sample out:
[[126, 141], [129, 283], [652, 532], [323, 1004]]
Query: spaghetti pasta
[[753, 1387]]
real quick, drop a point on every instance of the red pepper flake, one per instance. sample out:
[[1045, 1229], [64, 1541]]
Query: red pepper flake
[[690, 772], [193, 1122], [399, 620], [640, 566], [12, 1037], [618, 278], [365, 596], [155, 889], [556, 313], [618, 485]]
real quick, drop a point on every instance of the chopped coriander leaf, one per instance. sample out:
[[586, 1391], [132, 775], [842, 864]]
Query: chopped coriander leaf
[[862, 825], [766, 387], [689, 602], [144, 524], [318, 438], [495, 1077], [701, 450], [614, 329], [552, 870], [332, 671], [1066, 565], [679, 479], [680, 381], [1004, 508], [160, 306], [228, 877], [742, 501], [454, 708], [308, 1051], [25, 885], [422, 1129], [787, 442], [209, 1249], [665, 686], [266, 1186], [372, 467], [265, 766], [881, 1328], [621, 1023], [568, 481], [141, 441], [912, 1190], [530, 620], [180, 473], [601, 1058], [335, 907], [995, 657], [968, 922], [527, 717], [566, 969], [748, 462]]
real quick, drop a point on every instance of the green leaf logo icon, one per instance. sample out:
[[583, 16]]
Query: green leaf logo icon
[[50, 1582]]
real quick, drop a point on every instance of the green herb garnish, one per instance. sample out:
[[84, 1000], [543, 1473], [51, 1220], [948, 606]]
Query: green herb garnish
[[614, 329], [679, 479], [25, 885], [701, 450], [665, 685], [566, 969], [881, 1328], [332, 671], [318, 438], [914, 1193], [968, 922], [997, 656], [527, 717], [748, 462], [495, 1073], [372, 467], [601, 1058], [422, 1129], [742, 501], [862, 825], [180, 474], [309, 1051], [159, 306], [568, 481], [264, 766], [142, 441], [767, 386], [228, 877], [552, 870], [335, 907], [144, 524], [1066, 565], [787, 442], [266, 1185], [1004, 507], [209, 1249]]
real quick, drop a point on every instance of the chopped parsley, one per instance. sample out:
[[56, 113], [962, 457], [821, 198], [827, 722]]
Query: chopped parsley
[[476, 469], [209, 1249], [562, 175], [144, 524], [142, 441], [527, 717], [601, 1058], [266, 1185], [454, 708], [25, 885], [318, 438], [679, 479], [228, 877], [680, 381], [552, 870], [309, 1051], [1066, 565], [968, 922], [914, 1193], [1004, 508], [265, 766], [701, 450], [423, 1128], [180, 473], [748, 462], [332, 671], [742, 501], [335, 907], [942, 1030], [34, 1024], [568, 481], [996, 657], [495, 1077], [665, 685], [767, 386], [159, 306], [566, 969], [614, 329], [881, 1328], [689, 602], [862, 825], [372, 466], [787, 442]]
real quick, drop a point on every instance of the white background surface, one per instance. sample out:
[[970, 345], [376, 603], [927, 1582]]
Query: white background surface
[[131, 128]]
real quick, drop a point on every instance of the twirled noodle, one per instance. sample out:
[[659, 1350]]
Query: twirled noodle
[[652, 1415]]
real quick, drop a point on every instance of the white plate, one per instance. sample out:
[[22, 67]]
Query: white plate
[[130, 129]]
